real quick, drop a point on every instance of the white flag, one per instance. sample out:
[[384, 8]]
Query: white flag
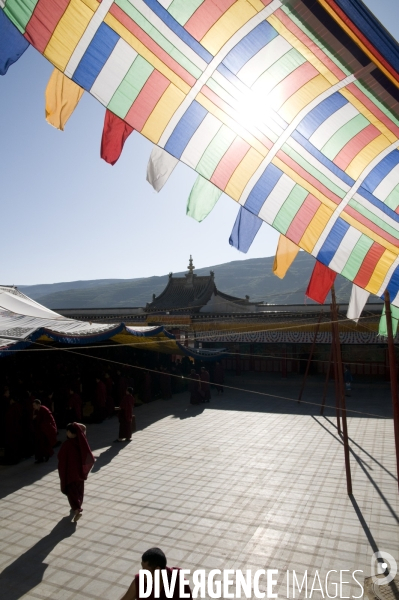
[[359, 297], [160, 167]]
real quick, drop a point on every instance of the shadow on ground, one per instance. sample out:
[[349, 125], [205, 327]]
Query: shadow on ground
[[27, 571], [254, 392]]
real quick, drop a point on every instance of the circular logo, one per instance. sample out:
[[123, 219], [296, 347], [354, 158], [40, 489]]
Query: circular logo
[[383, 563]]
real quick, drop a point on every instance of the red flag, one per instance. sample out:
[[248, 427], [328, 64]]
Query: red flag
[[320, 283], [115, 134]]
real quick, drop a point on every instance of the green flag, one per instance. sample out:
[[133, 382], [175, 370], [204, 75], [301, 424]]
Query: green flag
[[202, 199], [382, 330]]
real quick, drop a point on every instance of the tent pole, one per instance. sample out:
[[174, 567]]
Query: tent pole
[[323, 402], [341, 392], [310, 357], [393, 376]]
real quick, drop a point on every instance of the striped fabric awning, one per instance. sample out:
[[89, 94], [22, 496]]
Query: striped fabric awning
[[288, 106]]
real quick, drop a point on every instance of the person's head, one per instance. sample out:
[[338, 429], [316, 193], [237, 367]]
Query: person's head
[[71, 431], [36, 404], [130, 391], [153, 559], [192, 371]]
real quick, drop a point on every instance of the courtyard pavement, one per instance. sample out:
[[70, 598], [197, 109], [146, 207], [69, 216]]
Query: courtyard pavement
[[246, 482]]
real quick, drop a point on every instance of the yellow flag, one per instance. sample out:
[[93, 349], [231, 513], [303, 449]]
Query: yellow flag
[[62, 97], [285, 256]]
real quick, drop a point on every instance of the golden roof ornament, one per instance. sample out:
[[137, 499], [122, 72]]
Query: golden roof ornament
[[190, 265]]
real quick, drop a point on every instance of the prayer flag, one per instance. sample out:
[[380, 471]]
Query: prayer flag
[[382, 329], [320, 283], [358, 299], [115, 134], [12, 43], [285, 256], [62, 97], [245, 229], [202, 199], [160, 167]]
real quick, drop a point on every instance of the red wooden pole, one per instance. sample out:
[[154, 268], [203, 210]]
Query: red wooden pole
[[334, 360], [335, 363], [393, 376], [323, 402], [310, 358], [341, 391]]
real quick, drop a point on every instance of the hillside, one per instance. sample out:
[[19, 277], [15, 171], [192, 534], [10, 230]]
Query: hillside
[[252, 277]]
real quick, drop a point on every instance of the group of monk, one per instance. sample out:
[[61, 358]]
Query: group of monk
[[35, 412], [199, 384]]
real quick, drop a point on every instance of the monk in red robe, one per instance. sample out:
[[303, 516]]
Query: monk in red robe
[[74, 406], [127, 420], [218, 378], [75, 461], [194, 387], [45, 431], [205, 386], [155, 560]]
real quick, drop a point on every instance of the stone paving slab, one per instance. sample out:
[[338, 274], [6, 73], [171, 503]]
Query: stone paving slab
[[245, 482]]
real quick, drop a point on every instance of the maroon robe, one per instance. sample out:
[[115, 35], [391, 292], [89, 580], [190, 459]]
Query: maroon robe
[[45, 431], [162, 596], [194, 387], [75, 460], [75, 407], [205, 387], [126, 416], [218, 377]]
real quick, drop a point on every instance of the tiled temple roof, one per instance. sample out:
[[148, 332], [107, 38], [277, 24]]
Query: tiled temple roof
[[190, 293], [184, 294]]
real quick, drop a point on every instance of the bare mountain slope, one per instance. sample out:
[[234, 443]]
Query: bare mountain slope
[[252, 277]]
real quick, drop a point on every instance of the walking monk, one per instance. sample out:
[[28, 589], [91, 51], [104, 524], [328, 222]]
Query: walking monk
[[45, 431], [205, 385], [218, 378], [125, 413], [194, 387], [75, 461]]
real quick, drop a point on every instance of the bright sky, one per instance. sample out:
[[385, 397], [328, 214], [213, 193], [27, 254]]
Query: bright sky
[[67, 215]]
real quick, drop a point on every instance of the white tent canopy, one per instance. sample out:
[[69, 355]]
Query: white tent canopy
[[11, 299]]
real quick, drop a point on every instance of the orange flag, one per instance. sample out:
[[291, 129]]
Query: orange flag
[[62, 97], [285, 256]]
